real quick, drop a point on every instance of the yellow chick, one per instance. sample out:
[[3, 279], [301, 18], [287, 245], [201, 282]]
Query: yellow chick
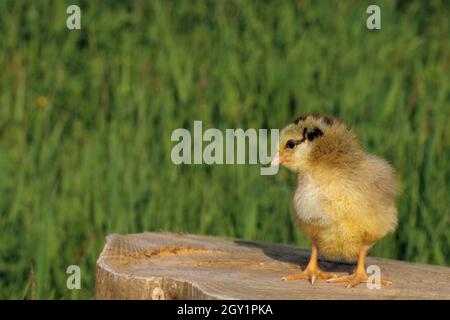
[[344, 201]]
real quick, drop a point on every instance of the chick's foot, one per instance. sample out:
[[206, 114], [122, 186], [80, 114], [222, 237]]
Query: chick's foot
[[356, 278], [310, 274]]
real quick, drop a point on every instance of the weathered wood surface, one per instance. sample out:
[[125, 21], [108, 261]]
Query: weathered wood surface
[[174, 266]]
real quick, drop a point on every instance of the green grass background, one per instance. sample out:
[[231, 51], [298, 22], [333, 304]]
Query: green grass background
[[86, 118]]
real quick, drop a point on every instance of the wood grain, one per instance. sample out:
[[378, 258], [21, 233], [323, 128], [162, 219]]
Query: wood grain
[[175, 266]]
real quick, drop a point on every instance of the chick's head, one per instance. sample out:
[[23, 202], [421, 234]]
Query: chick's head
[[316, 140]]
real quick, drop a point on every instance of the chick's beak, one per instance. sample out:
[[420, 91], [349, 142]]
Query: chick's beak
[[277, 160]]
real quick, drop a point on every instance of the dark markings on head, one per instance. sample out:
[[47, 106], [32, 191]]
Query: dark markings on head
[[329, 120], [304, 133], [314, 133], [301, 118]]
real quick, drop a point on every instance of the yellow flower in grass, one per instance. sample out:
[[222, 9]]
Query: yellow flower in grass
[[41, 102]]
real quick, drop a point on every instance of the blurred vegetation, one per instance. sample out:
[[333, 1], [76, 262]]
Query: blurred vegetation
[[86, 118]]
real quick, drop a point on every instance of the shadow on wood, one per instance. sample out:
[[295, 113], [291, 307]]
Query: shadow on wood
[[174, 266], [288, 254]]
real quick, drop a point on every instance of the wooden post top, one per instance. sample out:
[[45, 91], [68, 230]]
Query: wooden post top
[[175, 266]]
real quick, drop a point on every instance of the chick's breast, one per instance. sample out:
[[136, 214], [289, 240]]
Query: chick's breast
[[340, 211]]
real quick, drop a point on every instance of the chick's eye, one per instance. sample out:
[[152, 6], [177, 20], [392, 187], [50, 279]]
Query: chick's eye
[[291, 144]]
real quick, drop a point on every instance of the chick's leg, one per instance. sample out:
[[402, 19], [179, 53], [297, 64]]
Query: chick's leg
[[359, 275], [312, 271]]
